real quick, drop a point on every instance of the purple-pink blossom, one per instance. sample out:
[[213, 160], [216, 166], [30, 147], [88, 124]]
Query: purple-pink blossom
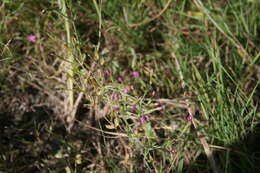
[[108, 71], [134, 107], [129, 88], [189, 117], [174, 140], [126, 90], [143, 119], [31, 38], [153, 93], [116, 108], [135, 74], [116, 96], [120, 78]]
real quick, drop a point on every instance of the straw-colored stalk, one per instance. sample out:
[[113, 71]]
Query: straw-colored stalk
[[69, 64]]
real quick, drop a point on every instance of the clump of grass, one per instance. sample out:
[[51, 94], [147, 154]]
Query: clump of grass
[[142, 86]]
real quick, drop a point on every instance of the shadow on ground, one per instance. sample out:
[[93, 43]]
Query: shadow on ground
[[243, 156], [38, 143]]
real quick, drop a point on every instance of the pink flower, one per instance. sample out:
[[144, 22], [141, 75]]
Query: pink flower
[[189, 117], [31, 38], [153, 93], [174, 140], [116, 96], [120, 79], [134, 107], [135, 74], [143, 119], [116, 108], [107, 72], [127, 89]]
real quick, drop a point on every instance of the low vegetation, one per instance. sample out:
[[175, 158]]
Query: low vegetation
[[129, 86]]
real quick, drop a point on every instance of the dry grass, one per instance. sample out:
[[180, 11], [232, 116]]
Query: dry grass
[[120, 86]]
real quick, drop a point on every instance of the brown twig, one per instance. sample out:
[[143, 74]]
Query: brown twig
[[71, 116], [102, 131]]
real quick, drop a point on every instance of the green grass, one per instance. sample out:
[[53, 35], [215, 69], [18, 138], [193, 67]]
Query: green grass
[[71, 102]]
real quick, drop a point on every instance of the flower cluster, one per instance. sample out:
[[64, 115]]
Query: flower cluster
[[116, 96]]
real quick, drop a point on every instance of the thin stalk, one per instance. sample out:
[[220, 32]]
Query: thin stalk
[[98, 9], [70, 59]]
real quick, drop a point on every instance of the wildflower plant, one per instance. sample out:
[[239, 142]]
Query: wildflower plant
[[149, 86]]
